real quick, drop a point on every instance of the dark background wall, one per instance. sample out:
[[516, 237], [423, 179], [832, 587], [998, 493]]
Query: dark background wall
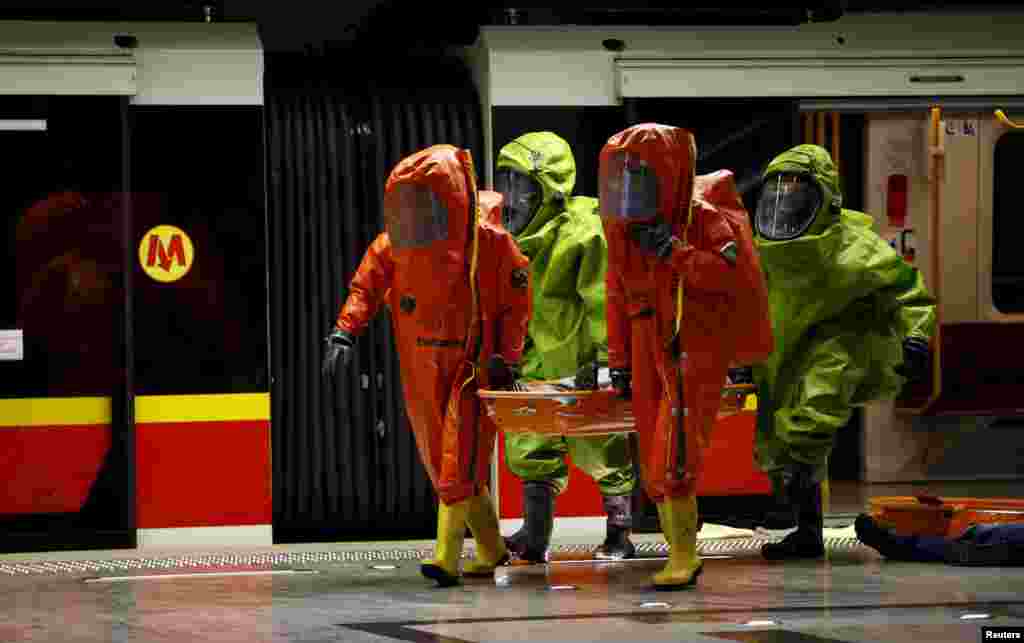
[[345, 463]]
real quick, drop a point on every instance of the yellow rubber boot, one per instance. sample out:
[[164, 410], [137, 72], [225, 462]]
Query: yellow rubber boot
[[664, 520], [490, 546], [679, 523], [451, 532]]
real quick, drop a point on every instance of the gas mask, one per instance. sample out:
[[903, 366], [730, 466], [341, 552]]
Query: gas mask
[[523, 196], [414, 216], [628, 189], [787, 206]]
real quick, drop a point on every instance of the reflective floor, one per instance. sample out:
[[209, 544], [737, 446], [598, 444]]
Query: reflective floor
[[375, 593]]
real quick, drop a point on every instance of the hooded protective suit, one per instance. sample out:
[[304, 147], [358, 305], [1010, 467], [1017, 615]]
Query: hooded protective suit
[[672, 318], [459, 295], [842, 301], [436, 322], [846, 311], [563, 238], [643, 307], [490, 207]]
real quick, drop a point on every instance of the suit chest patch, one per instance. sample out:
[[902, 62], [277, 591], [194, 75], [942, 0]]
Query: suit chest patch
[[407, 303]]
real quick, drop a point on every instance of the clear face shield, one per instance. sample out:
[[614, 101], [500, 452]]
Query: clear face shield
[[787, 206], [628, 189], [522, 198], [414, 217]]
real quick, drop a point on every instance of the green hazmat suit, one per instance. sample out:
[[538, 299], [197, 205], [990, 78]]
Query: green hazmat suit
[[842, 301], [565, 243]]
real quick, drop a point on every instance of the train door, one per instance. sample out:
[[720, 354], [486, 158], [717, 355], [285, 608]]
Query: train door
[[942, 186], [66, 420]]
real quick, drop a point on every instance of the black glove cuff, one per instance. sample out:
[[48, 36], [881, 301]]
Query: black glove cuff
[[513, 367], [497, 362], [916, 345], [502, 374], [741, 375], [586, 375], [338, 336], [665, 249]]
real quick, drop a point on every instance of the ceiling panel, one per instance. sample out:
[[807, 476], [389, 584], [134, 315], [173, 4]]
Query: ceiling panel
[[392, 23]]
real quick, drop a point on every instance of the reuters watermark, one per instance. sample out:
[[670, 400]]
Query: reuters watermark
[[1002, 634]]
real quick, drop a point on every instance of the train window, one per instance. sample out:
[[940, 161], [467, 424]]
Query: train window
[[1007, 225], [61, 227]]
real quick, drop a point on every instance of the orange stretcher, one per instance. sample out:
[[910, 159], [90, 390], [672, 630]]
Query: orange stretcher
[[945, 517], [557, 409]]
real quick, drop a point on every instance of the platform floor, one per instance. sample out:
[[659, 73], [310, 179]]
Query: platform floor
[[373, 592]]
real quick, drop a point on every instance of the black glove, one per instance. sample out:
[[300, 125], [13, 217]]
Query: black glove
[[741, 375], [338, 347], [586, 376], [655, 238], [502, 376], [916, 359], [622, 382]]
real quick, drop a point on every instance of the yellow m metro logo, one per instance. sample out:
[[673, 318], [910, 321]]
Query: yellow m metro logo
[[166, 253]]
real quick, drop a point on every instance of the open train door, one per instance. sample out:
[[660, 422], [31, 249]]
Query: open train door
[[961, 230], [922, 397], [972, 267]]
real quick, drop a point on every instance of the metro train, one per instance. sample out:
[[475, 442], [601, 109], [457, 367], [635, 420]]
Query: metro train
[[918, 111], [232, 439]]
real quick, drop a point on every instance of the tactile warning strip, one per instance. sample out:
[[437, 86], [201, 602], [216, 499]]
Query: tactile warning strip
[[727, 546]]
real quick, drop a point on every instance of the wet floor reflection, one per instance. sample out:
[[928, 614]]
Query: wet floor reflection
[[738, 598]]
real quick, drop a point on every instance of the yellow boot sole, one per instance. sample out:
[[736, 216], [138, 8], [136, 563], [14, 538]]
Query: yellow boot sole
[[436, 572], [666, 580], [481, 569]]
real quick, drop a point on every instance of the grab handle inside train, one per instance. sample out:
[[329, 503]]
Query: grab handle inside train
[[914, 404]]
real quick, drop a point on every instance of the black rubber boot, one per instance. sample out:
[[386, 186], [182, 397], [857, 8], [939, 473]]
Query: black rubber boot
[[531, 542], [617, 545], [804, 496]]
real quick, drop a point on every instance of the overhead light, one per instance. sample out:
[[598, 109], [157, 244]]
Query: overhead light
[[760, 623], [556, 588], [23, 125], [209, 12], [653, 604], [384, 567], [974, 617]]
